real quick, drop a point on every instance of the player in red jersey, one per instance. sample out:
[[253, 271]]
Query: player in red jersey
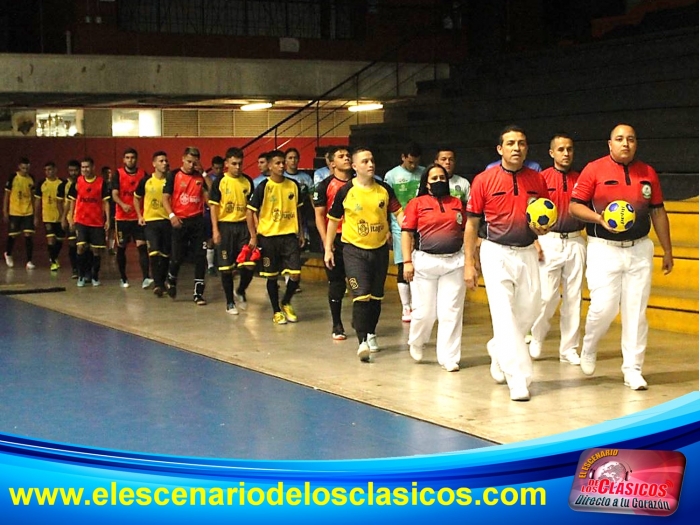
[[184, 195], [124, 183], [88, 213], [341, 172]]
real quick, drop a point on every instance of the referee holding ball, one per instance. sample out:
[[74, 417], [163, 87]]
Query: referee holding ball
[[619, 264]]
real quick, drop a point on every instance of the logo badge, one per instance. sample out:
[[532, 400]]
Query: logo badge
[[646, 191], [620, 481]]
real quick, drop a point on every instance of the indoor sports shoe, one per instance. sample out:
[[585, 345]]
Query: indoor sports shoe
[[158, 291], [240, 300], [451, 367], [363, 351], [416, 352], [339, 333], [635, 381], [535, 348], [9, 261], [55, 266], [74, 274], [147, 282], [30, 265], [372, 343], [81, 282], [231, 309], [289, 313], [279, 318], [520, 394], [588, 363], [495, 369], [570, 357], [406, 314], [123, 283], [96, 282], [199, 300], [171, 288]]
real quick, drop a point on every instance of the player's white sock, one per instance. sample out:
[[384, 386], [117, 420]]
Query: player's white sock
[[405, 294]]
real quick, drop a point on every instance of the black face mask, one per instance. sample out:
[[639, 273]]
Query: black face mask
[[440, 188]]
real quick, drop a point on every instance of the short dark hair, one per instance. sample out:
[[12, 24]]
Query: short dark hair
[[359, 149], [332, 150], [423, 185], [290, 150], [411, 148], [233, 152], [191, 150], [23, 160], [73, 163], [105, 170], [130, 150], [508, 129], [560, 135], [89, 160], [444, 147], [275, 153], [50, 164], [159, 153], [217, 160], [263, 155]]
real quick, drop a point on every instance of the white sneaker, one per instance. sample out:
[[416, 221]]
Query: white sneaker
[[231, 309], [9, 261], [147, 282], [496, 371], [240, 301], [635, 381], [95, 282], [81, 282], [372, 343], [520, 394], [535, 348], [363, 351], [588, 363], [30, 265], [416, 352], [451, 367], [124, 283], [406, 314], [570, 357]]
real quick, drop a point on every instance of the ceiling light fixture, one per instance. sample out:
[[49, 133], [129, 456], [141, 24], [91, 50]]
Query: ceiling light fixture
[[256, 106], [365, 107]]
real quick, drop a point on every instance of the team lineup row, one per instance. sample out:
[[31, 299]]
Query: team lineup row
[[445, 233]]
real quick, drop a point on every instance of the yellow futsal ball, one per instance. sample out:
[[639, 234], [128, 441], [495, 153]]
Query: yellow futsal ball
[[541, 213], [619, 215]]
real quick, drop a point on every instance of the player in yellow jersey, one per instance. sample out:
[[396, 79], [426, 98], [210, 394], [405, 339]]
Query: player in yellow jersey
[[49, 208], [158, 230], [18, 211], [364, 205], [228, 202], [274, 222]]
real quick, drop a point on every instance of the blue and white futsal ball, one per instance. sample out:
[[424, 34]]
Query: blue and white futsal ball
[[541, 213], [619, 215]]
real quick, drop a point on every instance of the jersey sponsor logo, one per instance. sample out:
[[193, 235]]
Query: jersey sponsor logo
[[353, 283], [155, 204], [278, 215], [646, 191], [362, 228], [186, 199]]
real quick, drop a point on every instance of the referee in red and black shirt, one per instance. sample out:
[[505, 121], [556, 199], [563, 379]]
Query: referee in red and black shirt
[[509, 263], [619, 264]]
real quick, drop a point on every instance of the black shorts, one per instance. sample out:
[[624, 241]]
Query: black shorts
[[190, 237], [234, 236], [207, 222], [366, 271], [20, 224], [337, 273], [94, 236], [280, 255], [54, 229], [159, 237], [71, 235], [129, 230]]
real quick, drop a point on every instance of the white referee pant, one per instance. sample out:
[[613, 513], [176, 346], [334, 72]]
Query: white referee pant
[[619, 279], [511, 276], [438, 290], [563, 266]]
